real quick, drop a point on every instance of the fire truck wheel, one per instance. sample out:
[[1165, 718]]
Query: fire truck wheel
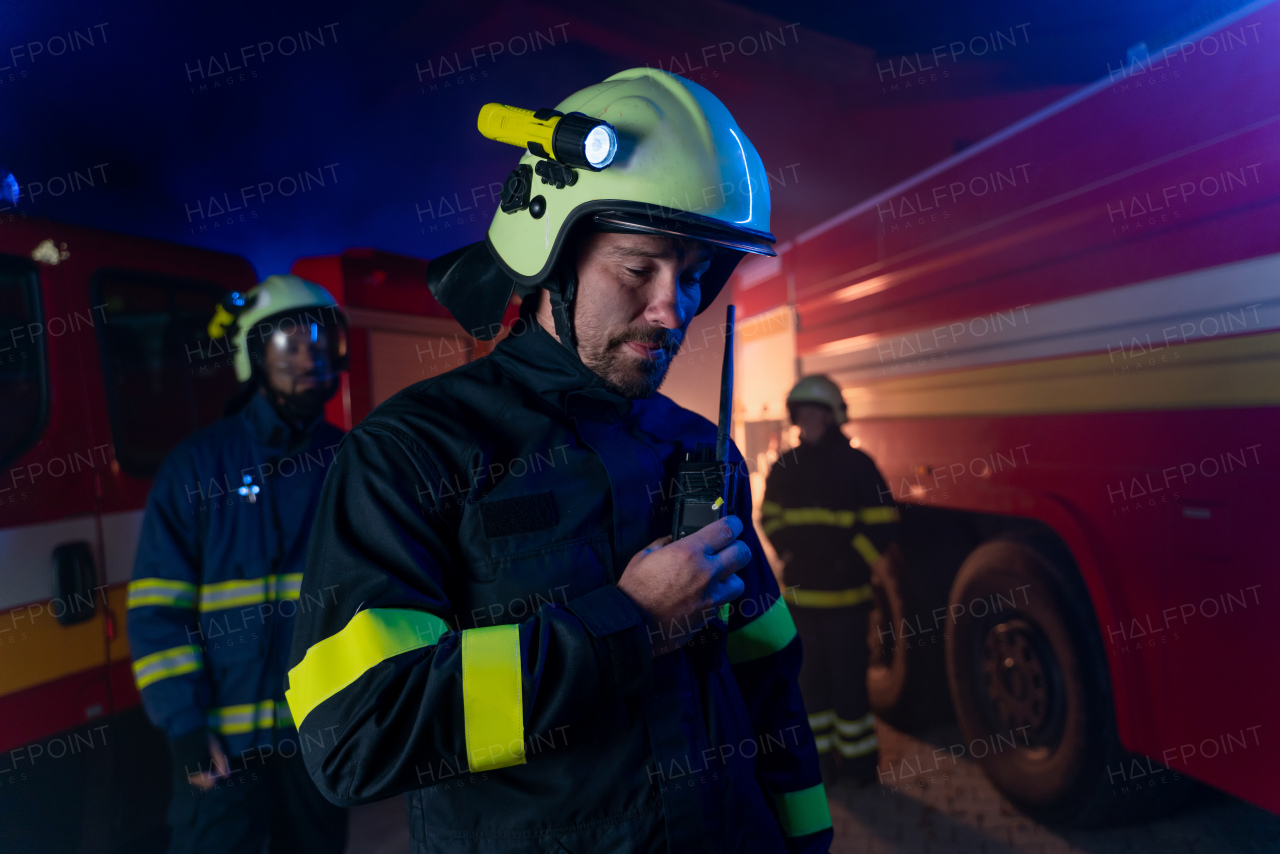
[[905, 670], [1029, 681]]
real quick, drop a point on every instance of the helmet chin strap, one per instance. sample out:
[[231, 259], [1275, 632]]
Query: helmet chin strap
[[563, 287]]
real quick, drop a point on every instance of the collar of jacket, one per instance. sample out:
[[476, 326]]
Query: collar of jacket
[[269, 430], [831, 440], [536, 360]]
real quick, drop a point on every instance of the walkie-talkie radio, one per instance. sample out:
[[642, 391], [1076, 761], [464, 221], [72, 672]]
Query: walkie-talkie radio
[[706, 480]]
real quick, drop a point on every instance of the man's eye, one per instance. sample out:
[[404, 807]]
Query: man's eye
[[636, 272]]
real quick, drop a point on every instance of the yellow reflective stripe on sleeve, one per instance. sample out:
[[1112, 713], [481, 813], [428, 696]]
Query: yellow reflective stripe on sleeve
[[765, 635], [776, 517], [820, 516], [878, 515], [247, 717], [822, 720], [852, 749], [167, 663], [855, 728], [232, 594], [286, 586], [803, 812], [493, 697], [864, 547], [370, 638], [805, 598], [160, 591], [232, 720], [252, 591], [773, 525]]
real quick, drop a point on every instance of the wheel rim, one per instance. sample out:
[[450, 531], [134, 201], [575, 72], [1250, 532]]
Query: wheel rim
[[1022, 682]]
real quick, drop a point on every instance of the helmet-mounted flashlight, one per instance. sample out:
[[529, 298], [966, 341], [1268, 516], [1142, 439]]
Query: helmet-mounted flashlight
[[573, 139]]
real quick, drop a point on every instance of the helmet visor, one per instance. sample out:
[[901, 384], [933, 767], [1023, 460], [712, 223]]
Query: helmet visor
[[302, 348], [687, 225]]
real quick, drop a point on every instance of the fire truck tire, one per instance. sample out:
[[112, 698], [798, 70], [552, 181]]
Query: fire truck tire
[[1029, 683], [906, 671]]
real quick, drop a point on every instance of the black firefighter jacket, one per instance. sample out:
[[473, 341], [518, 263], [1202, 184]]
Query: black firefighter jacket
[[480, 657], [829, 515]]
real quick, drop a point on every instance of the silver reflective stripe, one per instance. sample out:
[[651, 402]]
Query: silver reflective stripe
[[246, 717], [230, 594], [822, 720], [860, 747], [253, 591], [166, 663], [287, 586], [161, 592], [853, 729]]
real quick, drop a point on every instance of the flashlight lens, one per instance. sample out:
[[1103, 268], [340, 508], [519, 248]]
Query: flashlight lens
[[600, 146]]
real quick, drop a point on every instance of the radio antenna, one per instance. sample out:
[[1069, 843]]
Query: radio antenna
[[726, 391]]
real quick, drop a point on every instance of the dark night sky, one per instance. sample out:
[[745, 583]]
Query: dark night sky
[[358, 108]]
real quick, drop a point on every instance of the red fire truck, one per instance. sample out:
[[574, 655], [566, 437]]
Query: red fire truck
[[1062, 348], [105, 365]]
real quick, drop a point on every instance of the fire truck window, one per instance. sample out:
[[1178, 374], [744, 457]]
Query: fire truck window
[[164, 377], [23, 378]]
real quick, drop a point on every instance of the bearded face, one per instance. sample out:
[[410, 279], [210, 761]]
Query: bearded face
[[299, 358], [636, 296]]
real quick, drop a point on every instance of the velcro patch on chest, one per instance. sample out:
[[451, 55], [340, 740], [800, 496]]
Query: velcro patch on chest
[[523, 514]]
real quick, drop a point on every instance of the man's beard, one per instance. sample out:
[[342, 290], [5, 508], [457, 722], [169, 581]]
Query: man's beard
[[303, 405], [627, 375]]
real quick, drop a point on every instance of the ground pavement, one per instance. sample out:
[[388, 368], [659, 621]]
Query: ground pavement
[[948, 807]]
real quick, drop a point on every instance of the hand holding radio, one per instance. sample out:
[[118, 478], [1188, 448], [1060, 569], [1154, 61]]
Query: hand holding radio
[[680, 581], [680, 584]]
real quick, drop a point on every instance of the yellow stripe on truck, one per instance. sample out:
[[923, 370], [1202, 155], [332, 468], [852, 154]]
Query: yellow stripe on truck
[[35, 648]]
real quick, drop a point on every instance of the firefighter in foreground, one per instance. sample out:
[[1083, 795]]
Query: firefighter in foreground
[[215, 586], [825, 516], [516, 642]]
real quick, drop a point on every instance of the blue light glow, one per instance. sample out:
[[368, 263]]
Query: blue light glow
[[750, 195]]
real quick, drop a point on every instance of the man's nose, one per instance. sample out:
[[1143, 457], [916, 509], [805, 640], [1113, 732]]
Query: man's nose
[[309, 356], [664, 301]]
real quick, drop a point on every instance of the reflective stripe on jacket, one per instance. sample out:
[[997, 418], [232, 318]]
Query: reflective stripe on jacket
[[480, 656], [218, 575], [828, 513]]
